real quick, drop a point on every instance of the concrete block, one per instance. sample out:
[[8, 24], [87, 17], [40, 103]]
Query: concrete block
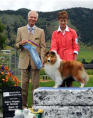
[[66, 111], [48, 96]]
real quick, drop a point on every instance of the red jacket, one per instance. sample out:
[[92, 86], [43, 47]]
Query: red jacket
[[65, 45]]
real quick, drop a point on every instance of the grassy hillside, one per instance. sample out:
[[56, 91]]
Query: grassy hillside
[[79, 18]]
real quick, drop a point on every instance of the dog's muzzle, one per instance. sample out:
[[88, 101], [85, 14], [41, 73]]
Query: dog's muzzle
[[48, 60]]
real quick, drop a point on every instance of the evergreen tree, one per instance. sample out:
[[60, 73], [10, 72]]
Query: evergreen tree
[[2, 37]]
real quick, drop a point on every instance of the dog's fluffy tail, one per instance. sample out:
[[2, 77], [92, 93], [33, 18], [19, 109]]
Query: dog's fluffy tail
[[85, 76]]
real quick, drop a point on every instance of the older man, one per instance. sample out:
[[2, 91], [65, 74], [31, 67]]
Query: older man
[[26, 64]]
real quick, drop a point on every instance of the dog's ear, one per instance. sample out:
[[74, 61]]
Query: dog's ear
[[47, 53], [52, 53]]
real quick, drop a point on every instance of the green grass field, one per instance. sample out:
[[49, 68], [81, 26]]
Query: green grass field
[[85, 53]]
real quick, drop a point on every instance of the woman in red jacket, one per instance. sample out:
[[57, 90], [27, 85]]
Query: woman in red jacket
[[64, 40]]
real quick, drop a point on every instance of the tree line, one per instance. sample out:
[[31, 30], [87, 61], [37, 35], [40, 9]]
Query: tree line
[[80, 18]]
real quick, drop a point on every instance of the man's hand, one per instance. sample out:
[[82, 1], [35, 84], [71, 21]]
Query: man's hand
[[22, 42]]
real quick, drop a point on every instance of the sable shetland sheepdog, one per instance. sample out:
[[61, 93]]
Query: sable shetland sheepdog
[[60, 70]]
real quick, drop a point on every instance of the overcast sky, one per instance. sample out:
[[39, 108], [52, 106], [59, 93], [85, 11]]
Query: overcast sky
[[44, 5]]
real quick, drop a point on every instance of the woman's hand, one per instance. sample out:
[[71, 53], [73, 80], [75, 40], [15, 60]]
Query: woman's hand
[[75, 56]]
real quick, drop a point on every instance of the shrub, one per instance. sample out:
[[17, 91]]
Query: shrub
[[7, 77]]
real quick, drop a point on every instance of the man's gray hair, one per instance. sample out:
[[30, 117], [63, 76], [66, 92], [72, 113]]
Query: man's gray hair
[[34, 12]]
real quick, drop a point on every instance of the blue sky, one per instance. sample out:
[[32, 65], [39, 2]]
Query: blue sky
[[44, 5]]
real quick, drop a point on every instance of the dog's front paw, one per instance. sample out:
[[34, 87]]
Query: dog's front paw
[[56, 86], [82, 85]]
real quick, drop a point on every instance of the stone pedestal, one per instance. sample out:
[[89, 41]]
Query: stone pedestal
[[64, 102]]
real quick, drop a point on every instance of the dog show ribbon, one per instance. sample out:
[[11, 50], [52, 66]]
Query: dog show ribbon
[[31, 47], [32, 43]]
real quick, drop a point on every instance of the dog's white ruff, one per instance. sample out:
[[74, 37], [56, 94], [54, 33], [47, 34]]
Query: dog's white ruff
[[52, 71]]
